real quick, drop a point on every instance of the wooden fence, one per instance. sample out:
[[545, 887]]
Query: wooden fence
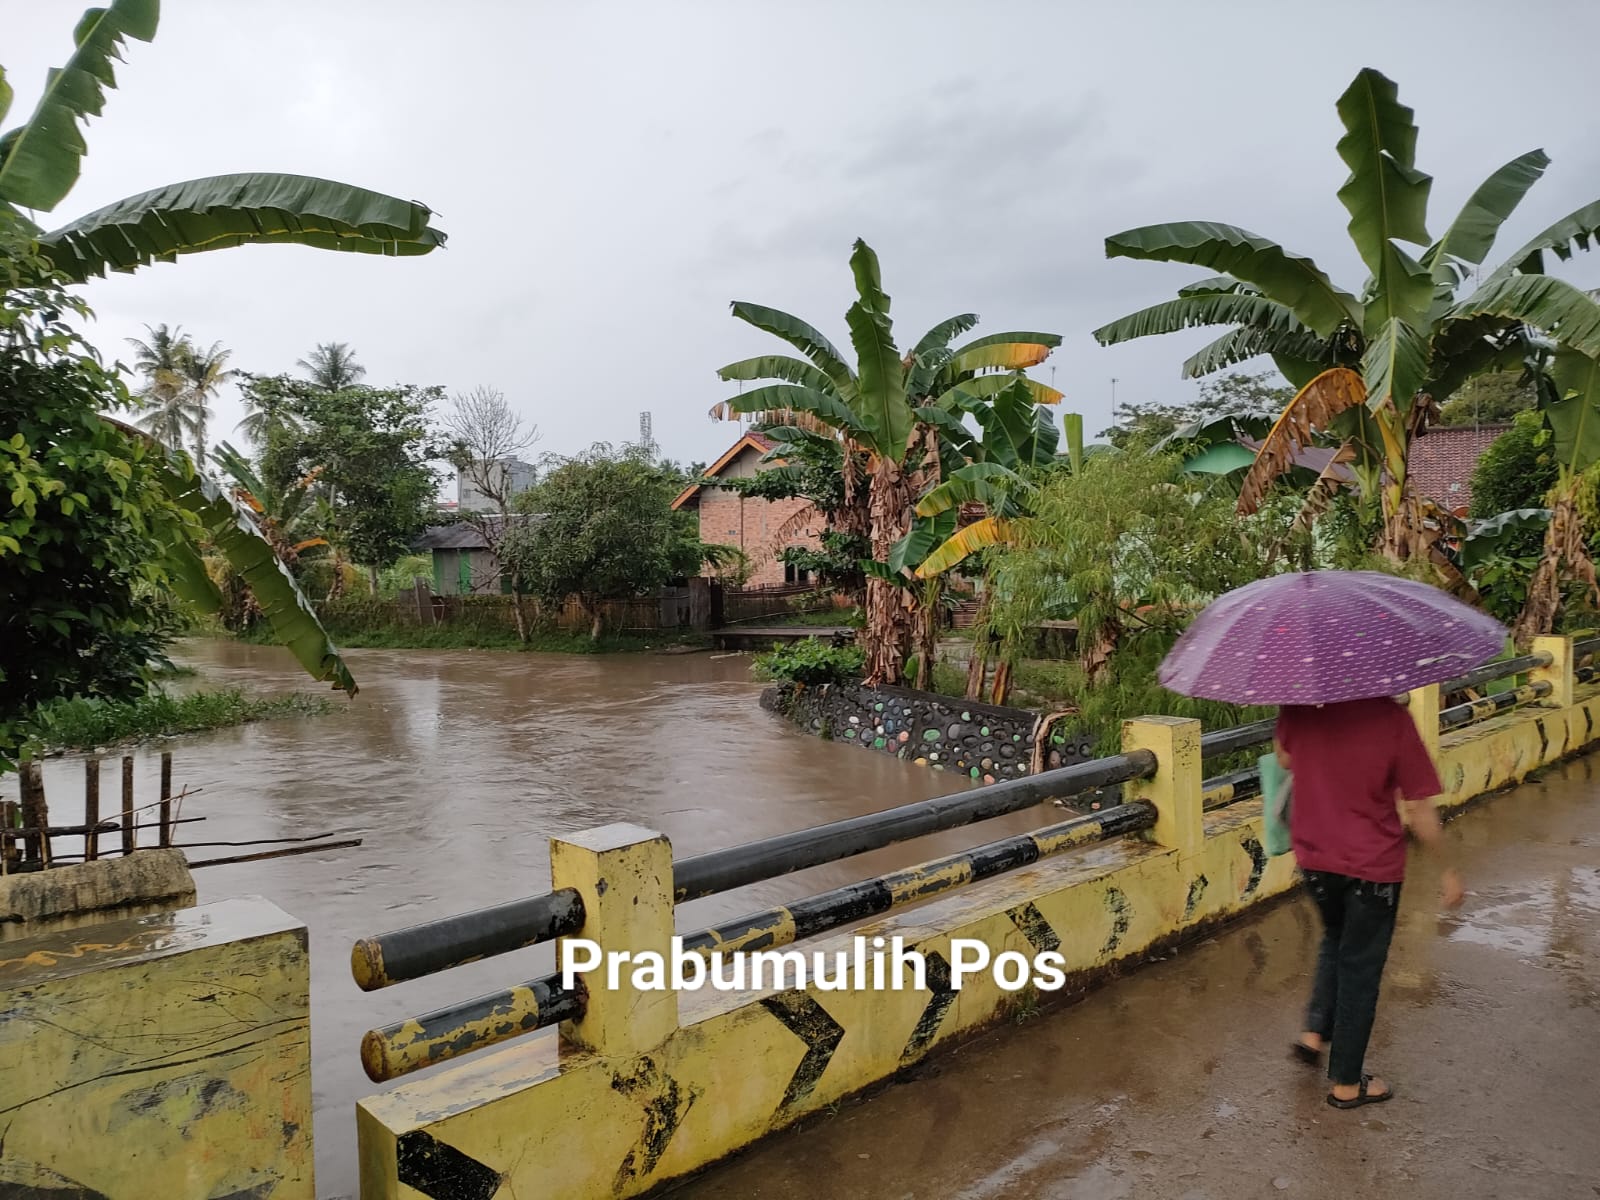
[[672, 608]]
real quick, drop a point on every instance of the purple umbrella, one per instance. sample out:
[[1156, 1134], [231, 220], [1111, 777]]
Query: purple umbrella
[[1325, 636]]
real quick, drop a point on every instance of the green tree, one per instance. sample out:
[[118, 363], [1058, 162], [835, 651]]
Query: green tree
[[1372, 366], [1256, 397], [370, 448], [169, 413], [332, 366], [886, 410], [600, 527], [1490, 399], [39, 164], [1517, 470], [204, 372]]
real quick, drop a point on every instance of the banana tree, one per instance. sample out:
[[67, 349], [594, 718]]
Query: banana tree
[[875, 408], [1372, 365], [1569, 396], [40, 161]]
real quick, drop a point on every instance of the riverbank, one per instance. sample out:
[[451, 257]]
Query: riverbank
[[452, 637], [72, 725]]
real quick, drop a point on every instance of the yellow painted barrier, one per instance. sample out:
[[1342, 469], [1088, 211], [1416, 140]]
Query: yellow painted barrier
[[166, 1055], [620, 1109]]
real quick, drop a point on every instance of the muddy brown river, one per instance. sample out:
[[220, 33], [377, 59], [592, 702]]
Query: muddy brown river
[[455, 768]]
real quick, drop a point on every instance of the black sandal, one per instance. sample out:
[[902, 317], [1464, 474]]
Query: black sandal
[[1362, 1096], [1304, 1053]]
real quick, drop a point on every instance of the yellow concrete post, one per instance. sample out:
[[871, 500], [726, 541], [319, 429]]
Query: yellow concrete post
[[1558, 674], [624, 874], [1423, 704], [1175, 787]]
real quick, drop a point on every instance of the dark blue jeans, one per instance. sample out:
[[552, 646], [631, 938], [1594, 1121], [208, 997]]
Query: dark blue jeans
[[1357, 925]]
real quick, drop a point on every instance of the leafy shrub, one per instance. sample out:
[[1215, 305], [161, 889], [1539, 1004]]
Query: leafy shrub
[[811, 662]]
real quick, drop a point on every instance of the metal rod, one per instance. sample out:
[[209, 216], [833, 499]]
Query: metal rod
[[166, 798], [736, 866], [450, 1032], [314, 837], [418, 950], [786, 923], [1478, 710], [447, 1033], [284, 853], [1242, 737], [91, 809], [129, 833], [1489, 672], [1223, 790]]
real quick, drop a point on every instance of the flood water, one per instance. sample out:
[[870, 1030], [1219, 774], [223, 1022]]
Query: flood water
[[455, 768]]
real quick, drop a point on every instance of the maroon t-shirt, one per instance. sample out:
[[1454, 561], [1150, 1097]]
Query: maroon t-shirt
[[1348, 760]]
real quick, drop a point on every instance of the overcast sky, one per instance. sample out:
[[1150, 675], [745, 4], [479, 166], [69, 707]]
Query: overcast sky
[[612, 175]]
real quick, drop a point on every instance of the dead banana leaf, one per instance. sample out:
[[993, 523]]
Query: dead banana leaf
[[1311, 411]]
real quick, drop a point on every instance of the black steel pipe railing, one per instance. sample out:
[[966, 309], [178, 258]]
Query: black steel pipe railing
[[418, 950], [1503, 668], [1478, 710], [450, 1032], [425, 949], [723, 870], [1222, 790], [1241, 737], [1585, 648]]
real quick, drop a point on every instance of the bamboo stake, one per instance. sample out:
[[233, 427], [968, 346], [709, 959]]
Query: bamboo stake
[[166, 798], [91, 808], [128, 830]]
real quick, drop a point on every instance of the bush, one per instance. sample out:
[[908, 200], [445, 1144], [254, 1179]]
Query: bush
[[82, 724], [811, 662]]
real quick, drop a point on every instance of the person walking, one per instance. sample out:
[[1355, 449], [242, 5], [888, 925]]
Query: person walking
[[1331, 649], [1354, 763]]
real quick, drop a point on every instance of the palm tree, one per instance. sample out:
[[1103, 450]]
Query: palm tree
[[1372, 366], [163, 361], [332, 366], [204, 372], [886, 411]]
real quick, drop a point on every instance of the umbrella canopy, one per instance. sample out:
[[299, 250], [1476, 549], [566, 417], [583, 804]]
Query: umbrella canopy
[[1326, 636]]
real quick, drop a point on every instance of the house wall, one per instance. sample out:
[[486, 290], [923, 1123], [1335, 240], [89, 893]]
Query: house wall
[[482, 572], [753, 524]]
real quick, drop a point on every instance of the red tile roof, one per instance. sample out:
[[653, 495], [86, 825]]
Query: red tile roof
[[1442, 461]]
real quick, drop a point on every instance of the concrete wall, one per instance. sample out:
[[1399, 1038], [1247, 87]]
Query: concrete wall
[[649, 1087], [81, 894], [985, 742], [160, 1056]]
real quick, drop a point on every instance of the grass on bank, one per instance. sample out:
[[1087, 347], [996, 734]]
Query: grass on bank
[[86, 724]]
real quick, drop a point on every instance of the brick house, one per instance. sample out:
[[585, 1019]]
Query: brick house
[[763, 529]]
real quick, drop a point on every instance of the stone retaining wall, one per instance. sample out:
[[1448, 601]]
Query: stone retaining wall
[[983, 741]]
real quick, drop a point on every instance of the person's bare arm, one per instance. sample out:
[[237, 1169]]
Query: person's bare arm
[[1423, 818], [1283, 756]]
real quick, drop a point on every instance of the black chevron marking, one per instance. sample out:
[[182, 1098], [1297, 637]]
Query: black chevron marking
[[933, 1015], [809, 1022], [1544, 739], [1039, 932], [665, 1105], [1121, 918], [1197, 889], [440, 1171], [1258, 863]]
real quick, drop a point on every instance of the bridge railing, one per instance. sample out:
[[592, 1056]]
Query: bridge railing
[[424, 949]]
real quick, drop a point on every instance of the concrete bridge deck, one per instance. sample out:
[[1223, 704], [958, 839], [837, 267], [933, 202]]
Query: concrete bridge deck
[[1173, 1083]]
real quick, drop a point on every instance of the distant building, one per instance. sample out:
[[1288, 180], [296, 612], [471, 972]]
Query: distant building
[[763, 529], [463, 564], [519, 475]]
